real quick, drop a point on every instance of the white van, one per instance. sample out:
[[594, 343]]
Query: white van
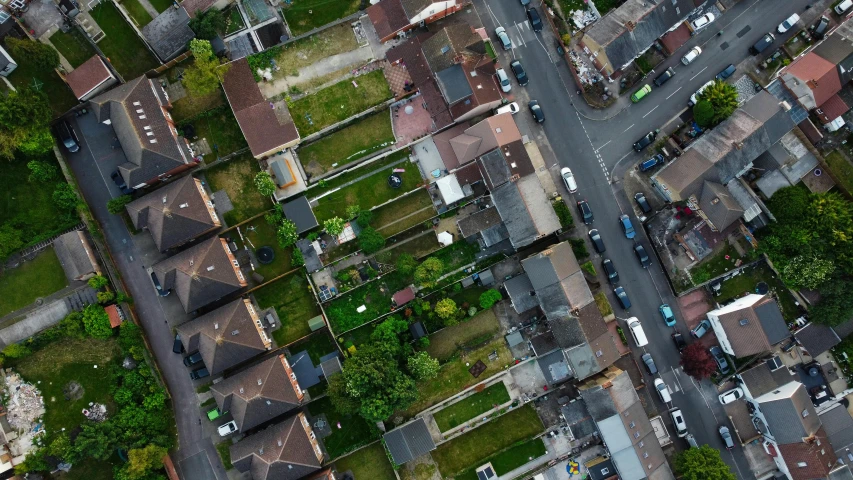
[[508, 108], [693, 98], [663, 390], [637, 332], [843, 7]]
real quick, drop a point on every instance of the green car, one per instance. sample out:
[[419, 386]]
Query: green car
[[214, 414], [639, 94]]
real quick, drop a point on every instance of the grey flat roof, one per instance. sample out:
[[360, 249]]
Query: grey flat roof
[[453, 83], [519, 288], [299, 212], [409, 441]]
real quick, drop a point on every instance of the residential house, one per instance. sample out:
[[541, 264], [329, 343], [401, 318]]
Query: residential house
[[625, 33], [624, 426], [838, 425], [409, 441], [816, 338], [169, 33], [326, 474], [392, 18], [486, 225], [285, 451], [139, 114], [76, 256], [176, 214], [259, 393], [7, 63], [200, 275], [227, 336], [785, 163], [90, 78], [521, 293], [749, 326]]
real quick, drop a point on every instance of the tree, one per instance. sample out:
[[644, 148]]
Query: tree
[[701, 464], [296, 258], [445, 308], [10, 240], [422, 366], [41, 171], [406, 264], [723, 98], [286, 233], [98, 282], [341, 400], [60, 446], [41, 55], [388, 333], [203, 76], [24, 118], [97, 322], [208, 23], [334, 226], [697, 361], [364, 218], [703, 113], [489, 298], [64, 197], [116, 205], [16, 350], [428, 272], [370, 240], [807, 271], [352, 211], [105, 297], [265, 184], [836, 303]]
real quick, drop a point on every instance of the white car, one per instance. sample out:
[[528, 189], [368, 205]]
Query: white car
[[503, 79], [227, 429], [691, 55], [508, 108], [702, 21], [663, 390], [788, 23], [731, 396], [569, 180], [678, 421]]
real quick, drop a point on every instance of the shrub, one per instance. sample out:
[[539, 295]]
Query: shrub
[[116, 205], [98, 282], [370, 240], [16, 350], [264, 183], [489, 298], [579, 247]]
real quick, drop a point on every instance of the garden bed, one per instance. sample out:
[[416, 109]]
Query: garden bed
[[305, 15], [308, 51], [369, 463], [293, 302], [348, 431], [358, 140], [470, 407], [39, 277], [236, 178], [220, 128], [73, 46], [122, 45]]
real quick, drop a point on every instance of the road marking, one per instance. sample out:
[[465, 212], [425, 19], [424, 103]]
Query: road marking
[[650, 111], [700, 71], [623, 131], [599, 148], [675, 377], [673, 93]]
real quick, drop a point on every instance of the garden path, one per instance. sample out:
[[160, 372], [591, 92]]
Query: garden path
[[149, 8]]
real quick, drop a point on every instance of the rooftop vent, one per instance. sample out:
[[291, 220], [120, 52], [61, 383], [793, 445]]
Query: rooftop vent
[[744, 322], [164, 199], [153, 140], [805, 412], [241, 389], [445, 49], [260, 382], [261, 450], [136, 104], [216, 325], [184, 205], [147, 127], [139, 110], [279, 442], [210, 268], [498, 130], [150, 134], [142, 117], [234, 333]]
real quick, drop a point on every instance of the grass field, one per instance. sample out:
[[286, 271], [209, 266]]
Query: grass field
[[73, 46], [361, 170], [418, 247], [137, 12], [470, 407], [39, 277], [469, 450], [444, 344], [369, 463], [309, 50], [405, 213], [260, 233], [339, 102], [221, 130], [842, 170], [236, 177], [305, 15], [58, 92], [349, 144], [191, 105], [353, 432], [294, 303], [511, 458], [122, 46], [161, 5]]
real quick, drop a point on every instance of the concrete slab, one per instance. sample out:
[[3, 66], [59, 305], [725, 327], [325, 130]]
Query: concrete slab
[[426, 154]]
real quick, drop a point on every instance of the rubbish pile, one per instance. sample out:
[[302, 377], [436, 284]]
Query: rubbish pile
[[582, 18], [97, 412], [25, 403], [586, 74]]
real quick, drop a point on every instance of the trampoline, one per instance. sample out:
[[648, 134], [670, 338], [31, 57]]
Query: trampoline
[[265, 255], [395, 180]]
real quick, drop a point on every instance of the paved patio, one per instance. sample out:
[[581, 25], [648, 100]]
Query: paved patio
[[411, 121]]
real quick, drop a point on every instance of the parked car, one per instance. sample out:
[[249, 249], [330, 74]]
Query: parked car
[[651, 163], [699, 330], [727, 437], [518, 71], [663, 390], [637, 332], [191, 360], [720, 358], [199, 373], [788, 24], [726, 73], [503, 79], [586, 212], [678, 421], [645, 141], [214, 413], [640, 198], [843, 7], [627, 227], [68, 136], [178, 346], [665, 76], [691, 440], [597, 242], [610, 271], [691, 55], [762, 44], [569, 180], [678, 340], [536, 111], [500, 32], [508, 108], [227, 429], [695, 97], [642, 256], [666, 313], [702, 21], [731, 396], [650, 363], [120, 183], [535, 20], [641, 93], [622, 296], [819, 29], [820, 394], [525, 3]]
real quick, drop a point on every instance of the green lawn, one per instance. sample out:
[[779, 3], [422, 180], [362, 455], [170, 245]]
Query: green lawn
[[137, 12], [122, 45], [368, 463], [311, 49], [416, 208], [161, 5], [444, 344], [352, 433], [222, 131], [73, 46], [376, 296], [305, 15], [236, 177], [294, 303], [234, 21], [746, 283], [318, 345], [58, 92], [716, 265], [468, 451], [260, 234], [359, 171], [470, 407], [511, 458], [339, 102], [419, 247], [349, 144], [224, 450], [842, 170], [36, 278], [191, 105]]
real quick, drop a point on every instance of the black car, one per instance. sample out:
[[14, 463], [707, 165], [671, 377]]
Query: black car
[[586, 212], [536, 110], [642, 256], [519, 72], [762, 44], [535, 20], [726, 73], [665, 76], [650, 363], [191, 360], [178, 346], [645, 141], [622, 296], [120, 183], [640, 198], [819, 29], [199, 373], [597, 242], [68, 136], [679, 341], [610, 271], [720, 358]]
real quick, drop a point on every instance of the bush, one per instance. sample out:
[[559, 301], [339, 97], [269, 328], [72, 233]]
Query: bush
[[579, 247], [370, 240], [703, 113], [297, 259], [364, 218], [406, 264], [97, 322], [564, 214], [489, 298], [98, 282], [64, 197], [116, 205], [16, 350], [445, 308], [265, 184]]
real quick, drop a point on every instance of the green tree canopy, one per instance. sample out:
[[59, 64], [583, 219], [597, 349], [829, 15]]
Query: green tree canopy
[[702, 463], [203, 76], [406, 264], [142, 461], [428, 272], [703, 113], [38, 54], [24, 118], [286, 233], [264, 183], [723, 98], [370, 240], [41, 171], [116, 205], [836, 303], [489, 298], [64, 197], [10, 240], [422, 366], [445, 308], [98, 282], [97, 322], [208, 23], [334, 226], [352, 211]]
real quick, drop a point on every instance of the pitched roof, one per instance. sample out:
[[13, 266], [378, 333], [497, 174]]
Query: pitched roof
[[819, 75], [766, 377], [281, 452], [176, 213], [519, 289], [479, 221], [92, 73], [410, 55], [790, 414], [809, 461], [114, 315], [817, 338], [409, 442], [387, 17], [265, 128], [258, 393], [484, 136], [194, 6], [838, 425], [515, 213], [752, 324], [75, 255], [149, 140], [508, 162], [414, 7], [201, 274], [721, 208], [444, 49], [169, 33], [832, 108], [551, 265]]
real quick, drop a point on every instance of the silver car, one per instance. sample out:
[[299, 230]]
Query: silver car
[[503, 79], [503, 37]]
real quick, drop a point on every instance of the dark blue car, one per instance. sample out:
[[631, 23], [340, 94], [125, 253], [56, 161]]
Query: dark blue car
[[652, 163]]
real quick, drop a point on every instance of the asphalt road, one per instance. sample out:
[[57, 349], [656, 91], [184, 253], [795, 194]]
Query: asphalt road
[[598, 151]]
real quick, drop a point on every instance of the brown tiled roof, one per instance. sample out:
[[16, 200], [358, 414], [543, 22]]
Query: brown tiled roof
[[263, 129], [673, 40], [443, 143], [719, 206], [592, 323], [414, 7], [258, 393], [818, 459], [833, 108], [112, 313], [450, 46], [193, 6], [87, 76], [743, 329], [810, 130], [469, 174], [479, 221], [820, 76], [281, 452], [686, 174], [387, 17]]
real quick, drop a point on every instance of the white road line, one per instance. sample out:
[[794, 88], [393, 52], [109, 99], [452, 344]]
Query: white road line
[[673, 93], [700, 71], [623, 131], [650, 111], [599, 148]]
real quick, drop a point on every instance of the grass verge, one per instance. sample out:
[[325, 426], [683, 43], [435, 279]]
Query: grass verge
[[603, 304], [470, 407], [356, 141], [36, 278], [369, 462]]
